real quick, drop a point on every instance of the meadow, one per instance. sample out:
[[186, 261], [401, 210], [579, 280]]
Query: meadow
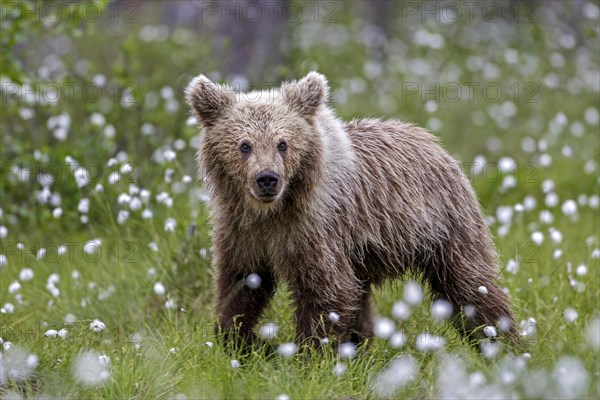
[[106, 284]]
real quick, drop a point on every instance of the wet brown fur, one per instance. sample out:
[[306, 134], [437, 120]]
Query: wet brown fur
[[360, 203]]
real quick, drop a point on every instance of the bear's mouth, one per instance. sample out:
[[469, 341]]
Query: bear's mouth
[[266, 196]]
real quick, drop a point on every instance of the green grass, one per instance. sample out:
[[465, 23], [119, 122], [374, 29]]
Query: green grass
[[161, 352]]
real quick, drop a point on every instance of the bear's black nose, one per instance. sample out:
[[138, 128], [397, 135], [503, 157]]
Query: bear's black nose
[[267, 180]]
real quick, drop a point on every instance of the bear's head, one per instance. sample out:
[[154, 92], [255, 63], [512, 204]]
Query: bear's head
[[259, 146]]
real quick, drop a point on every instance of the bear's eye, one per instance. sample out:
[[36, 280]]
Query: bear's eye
[[282, 146], [245, 148]]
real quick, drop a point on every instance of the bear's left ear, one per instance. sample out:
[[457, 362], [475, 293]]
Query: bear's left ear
[[306, 95]]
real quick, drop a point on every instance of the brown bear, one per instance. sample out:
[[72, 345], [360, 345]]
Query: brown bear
[[332, 209]]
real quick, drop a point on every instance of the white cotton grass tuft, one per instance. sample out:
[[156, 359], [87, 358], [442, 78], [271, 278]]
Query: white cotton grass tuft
[[26, 274], [428, 342], [592, 331], [537, 237], [546, 217], [339, 369], [489, 349], [51, 333], [92, 246], [555, 235], [347, 350], [8, 308], [16, 363], [269, 331], [455, 382], [334, 317], [234, 364], [490, 331], [397, 340], [81, 177], [528, 327], [551, 199], [504, 214], [97, 325], [401, 310], [91, 368], [570, 378], [441, 310], [287, 349], [570, 315], [122, 216], [159, 289], [396, 375], [569, 207], [253, 281], [504, 323], [512, 266], [14, 287], [413, 293], [383, 327], [147, 214], [170, 224], [84, 205], [581, 270], [171, 304]]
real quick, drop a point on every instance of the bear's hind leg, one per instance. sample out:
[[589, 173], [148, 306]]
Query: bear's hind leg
[[477, 301], [363, 328]]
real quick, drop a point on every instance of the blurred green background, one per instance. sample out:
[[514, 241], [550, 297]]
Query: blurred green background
[[97, 156]]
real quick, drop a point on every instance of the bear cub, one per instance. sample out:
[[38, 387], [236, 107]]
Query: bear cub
[[333, 209]]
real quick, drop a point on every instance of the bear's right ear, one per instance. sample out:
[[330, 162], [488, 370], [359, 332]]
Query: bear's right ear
[[207, 100]]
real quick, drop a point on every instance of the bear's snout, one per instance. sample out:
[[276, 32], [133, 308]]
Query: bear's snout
[[267, 180], [267, 185]]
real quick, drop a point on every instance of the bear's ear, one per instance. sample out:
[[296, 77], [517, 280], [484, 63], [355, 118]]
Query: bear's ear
[[307, 94], [207, 100]]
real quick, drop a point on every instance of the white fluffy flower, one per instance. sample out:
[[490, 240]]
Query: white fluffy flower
[[441, 309], [347, 350], [397, 374], [97, 325], [170, 224], [383, 327], [287, 349], [253, 281], [26, 274], [569, 207], [269, 331], [91, 369], [429, 342], [159, 289], [401, 310], [84, 205], [413, 293], [490, 331]]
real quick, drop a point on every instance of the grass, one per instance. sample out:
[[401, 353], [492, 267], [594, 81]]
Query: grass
[[157, 343]]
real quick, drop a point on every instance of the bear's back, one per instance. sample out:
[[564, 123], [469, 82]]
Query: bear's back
[[409, 192]]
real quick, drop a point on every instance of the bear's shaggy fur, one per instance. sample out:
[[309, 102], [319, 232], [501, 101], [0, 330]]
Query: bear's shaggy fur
[[332, 209]]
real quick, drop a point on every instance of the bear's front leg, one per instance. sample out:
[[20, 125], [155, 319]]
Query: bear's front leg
[[240, 304], [327, 296]]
